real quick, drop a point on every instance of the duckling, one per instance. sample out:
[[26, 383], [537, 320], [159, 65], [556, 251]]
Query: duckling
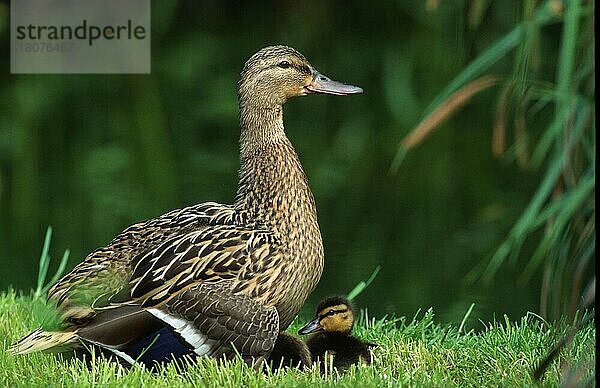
[[209, 279], [332, 328], [289, 351]]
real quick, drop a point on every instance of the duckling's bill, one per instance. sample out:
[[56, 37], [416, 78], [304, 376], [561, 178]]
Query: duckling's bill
[[325, 85], [312, 327]]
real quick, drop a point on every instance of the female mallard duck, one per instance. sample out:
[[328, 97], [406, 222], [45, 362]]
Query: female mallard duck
[[209, 278], [289, 351], [332, 328]]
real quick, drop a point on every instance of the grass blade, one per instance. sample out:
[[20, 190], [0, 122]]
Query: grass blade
[[577, 197], [564, 81], [360, 287], [529, 216], [464, 320], [61, 269], [492, 55], [440, 115], [44, 262]]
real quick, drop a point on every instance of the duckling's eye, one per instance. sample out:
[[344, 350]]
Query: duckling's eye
[[284, 64]]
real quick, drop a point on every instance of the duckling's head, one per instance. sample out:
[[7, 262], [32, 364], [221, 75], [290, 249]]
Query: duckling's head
[[335, 314], [277, 73]]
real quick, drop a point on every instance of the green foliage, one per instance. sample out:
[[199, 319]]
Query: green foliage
[[484, 63], [411, 352], [564, 200]]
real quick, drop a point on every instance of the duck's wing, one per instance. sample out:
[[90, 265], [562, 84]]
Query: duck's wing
[[214, 321], [207, 286]]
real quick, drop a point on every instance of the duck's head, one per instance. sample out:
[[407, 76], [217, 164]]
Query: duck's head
[[334, 315], [277, 73]]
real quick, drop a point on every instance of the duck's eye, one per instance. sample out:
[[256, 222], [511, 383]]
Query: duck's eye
[[284, 64]]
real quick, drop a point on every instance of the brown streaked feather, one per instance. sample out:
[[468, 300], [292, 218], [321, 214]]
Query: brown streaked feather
[[106, 271], [210, 255]]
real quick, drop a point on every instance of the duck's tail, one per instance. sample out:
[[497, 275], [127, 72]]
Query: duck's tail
[[40, 340]]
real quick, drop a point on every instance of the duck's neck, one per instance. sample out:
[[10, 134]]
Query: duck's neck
[[260, 127], [273, 186]]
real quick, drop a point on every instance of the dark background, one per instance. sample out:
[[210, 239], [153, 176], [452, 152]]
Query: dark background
[[92, 154]]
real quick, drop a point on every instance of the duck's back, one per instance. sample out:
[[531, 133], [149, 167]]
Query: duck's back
[[107, 271]]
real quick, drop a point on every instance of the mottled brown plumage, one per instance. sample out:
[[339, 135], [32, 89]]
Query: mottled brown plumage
[[211, 276]]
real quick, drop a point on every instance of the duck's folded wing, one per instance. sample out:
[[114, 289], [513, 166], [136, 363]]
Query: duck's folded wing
[[206, 285], [215, 322]]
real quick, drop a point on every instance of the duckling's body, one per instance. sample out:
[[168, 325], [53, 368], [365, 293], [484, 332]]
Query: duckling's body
[[332, 335], [289, 351], [344, 349], [210, 278]]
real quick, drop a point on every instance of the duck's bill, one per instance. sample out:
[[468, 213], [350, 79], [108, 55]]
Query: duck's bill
[[323, 84], [311, 327]]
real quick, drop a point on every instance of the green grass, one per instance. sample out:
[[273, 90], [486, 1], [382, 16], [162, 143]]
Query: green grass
[[412, 352]]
